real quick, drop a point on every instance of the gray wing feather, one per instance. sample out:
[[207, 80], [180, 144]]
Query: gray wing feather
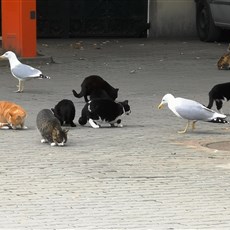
[[192, 110], [23, 71]]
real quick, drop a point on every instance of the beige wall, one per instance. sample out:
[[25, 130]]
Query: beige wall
[[172, 18]]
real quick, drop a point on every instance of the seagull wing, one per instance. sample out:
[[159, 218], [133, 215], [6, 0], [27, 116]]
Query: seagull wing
[[25, 72], [192, 110]]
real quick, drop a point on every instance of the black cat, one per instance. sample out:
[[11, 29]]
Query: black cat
[[64, 111], [104, 110], [219, 93], [97, 87], [99, 93]]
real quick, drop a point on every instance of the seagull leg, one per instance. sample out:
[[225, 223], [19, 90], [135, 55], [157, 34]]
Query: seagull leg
[[193, 125], [20, 87], [186, 128]]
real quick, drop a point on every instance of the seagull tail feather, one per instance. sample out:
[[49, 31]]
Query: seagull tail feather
[[42, 76], [219, 120]]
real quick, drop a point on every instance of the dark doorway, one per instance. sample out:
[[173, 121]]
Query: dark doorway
[[92, 18]]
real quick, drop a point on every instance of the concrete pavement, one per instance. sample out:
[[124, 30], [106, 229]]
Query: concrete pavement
[[141, 176]]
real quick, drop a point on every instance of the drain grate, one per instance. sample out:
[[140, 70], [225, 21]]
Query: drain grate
[[221, 145]]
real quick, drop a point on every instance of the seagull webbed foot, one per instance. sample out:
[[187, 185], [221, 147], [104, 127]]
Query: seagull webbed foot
[[187, 126], [18, 91], [185, 130]]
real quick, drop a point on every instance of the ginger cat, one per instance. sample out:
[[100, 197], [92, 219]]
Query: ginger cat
[[224, 61], [11, 115]]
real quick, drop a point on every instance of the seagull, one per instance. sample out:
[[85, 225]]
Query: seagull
[[21, 71], [191, 111]]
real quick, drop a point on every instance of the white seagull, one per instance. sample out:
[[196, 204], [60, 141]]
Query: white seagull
[[21, 71], [191, 111]]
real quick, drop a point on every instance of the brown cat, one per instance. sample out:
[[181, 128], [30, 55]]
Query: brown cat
[[11, 115], [224, 61]]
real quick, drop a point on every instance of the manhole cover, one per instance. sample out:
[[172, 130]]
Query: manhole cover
[[221, 145]]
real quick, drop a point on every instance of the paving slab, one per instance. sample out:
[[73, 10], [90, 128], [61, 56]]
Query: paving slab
[[142, 176]]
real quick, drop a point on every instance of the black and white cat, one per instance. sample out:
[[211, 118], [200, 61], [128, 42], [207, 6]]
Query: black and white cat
[[219, 93], [96, 87], [100, 111], [50, 128], [64, 111]]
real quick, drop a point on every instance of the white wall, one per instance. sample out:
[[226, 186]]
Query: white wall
[[172, 18]]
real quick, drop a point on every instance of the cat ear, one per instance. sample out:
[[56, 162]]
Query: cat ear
[[52, 109], [126, 101], [117, 89]]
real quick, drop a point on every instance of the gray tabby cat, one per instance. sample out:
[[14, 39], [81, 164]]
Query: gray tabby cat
[[50, 128]]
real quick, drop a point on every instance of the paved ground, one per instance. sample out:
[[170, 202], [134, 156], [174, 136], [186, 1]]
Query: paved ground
[[141, 176]]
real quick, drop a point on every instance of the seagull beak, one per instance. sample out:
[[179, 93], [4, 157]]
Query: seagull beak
[[160, 106], [2, 57]]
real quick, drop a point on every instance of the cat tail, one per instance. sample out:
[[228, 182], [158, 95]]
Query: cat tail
[[211, 101], [78, 95], [83, 119]]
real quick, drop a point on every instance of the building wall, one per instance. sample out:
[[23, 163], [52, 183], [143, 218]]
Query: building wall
[[172, 18]]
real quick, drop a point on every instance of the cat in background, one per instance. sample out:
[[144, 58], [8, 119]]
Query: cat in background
[[224, 61], [95, 86], [100, 111], [219, 93], [50, 128], [64, 111], [12, 116]]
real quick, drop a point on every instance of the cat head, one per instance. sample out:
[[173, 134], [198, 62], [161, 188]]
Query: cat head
[[16, 118], [224, 62], [59, 136], [126, 107]]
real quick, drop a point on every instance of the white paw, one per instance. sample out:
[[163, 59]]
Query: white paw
[[44, 141], [24, 127], [93, 124], [53, 144], [120, 125], [5, 127]]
